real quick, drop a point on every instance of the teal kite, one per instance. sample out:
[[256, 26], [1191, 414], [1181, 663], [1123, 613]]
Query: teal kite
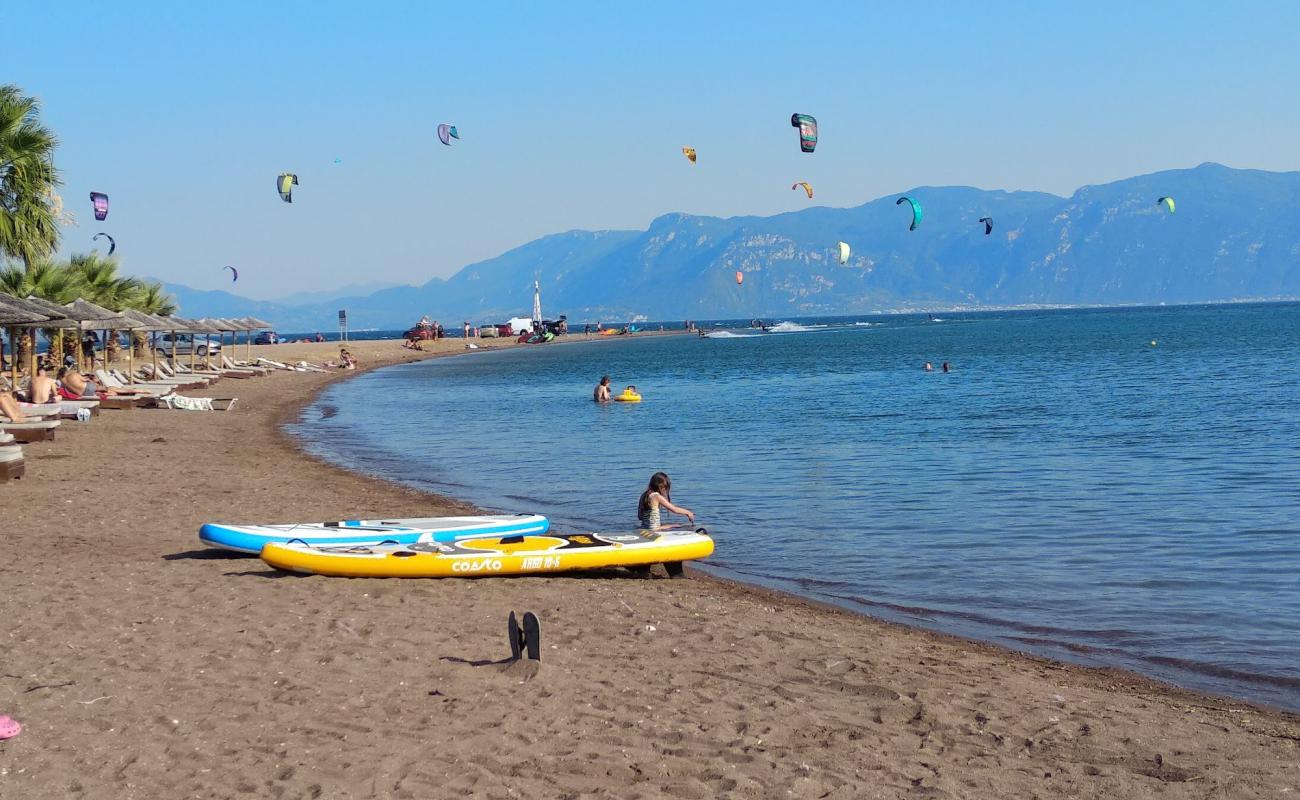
[[916, 211]]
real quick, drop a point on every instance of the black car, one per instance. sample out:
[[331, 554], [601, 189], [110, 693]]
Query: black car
[[267, 337]]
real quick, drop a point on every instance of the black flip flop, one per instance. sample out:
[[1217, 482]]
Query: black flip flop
[[533, 636], [515, 636]]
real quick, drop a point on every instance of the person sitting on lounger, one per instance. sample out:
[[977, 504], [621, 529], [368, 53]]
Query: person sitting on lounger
[[42, 390]]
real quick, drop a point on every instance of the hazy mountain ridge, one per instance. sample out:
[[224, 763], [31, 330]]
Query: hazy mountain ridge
[[1234, 235]]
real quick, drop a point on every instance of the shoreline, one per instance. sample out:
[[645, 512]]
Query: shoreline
[[1135, 677], [144, 666]]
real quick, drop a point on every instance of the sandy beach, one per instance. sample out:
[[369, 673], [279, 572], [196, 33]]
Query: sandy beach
[[145, 666]]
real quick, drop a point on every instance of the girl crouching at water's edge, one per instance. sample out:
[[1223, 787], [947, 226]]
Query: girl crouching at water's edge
[[658, 494]]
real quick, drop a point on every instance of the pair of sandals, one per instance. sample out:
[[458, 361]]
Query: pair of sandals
[[9, 727]]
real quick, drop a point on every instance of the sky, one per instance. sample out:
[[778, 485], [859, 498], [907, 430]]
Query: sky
[[573, 115]]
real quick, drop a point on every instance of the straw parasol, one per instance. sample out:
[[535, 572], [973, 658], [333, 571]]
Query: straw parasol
[[180, 325], [64, 317], [232, 325], [140, 321], [16, 313], [254, 324], [95, 317], [209, 327]]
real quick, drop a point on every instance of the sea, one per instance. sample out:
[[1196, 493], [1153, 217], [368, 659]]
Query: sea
[[1116, 487]]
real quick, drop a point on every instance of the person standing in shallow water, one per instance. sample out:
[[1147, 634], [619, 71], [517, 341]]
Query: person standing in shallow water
[[945, 367], [928, 367], [601, 393]]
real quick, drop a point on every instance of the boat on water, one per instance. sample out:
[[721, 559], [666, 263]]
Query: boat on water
[[422, 331]]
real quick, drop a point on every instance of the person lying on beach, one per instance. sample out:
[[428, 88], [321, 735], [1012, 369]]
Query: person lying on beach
[[42, 390], [9, 407], [601, 393], [657, 495], [75, 386]]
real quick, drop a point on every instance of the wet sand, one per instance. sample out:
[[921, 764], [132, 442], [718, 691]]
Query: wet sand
[[144, 666]]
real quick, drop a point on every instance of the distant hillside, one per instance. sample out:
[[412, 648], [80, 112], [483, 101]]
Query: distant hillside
[[1234, 236]]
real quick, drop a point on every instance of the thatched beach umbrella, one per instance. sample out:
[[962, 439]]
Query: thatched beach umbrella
[[209, 327], [177, 325], [96, 318], [67, 319], [141, 321], [15, 314], [254, 324], [232, 325]]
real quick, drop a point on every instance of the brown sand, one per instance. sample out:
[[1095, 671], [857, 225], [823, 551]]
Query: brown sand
[[146, 667]]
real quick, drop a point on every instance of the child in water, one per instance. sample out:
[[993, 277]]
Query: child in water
[[657, 494]]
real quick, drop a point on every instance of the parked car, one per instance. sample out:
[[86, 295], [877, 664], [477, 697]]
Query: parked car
[[186, 341], [267, 337]]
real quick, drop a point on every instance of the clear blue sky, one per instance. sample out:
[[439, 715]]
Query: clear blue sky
[[573, 115]]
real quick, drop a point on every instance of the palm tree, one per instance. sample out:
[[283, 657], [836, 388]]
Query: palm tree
[[100, 282], [29, 207]]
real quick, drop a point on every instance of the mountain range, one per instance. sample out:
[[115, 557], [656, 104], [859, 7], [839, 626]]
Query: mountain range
[[1234, 234]]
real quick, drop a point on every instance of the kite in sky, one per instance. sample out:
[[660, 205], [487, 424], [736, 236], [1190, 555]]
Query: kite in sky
[[100, 202], [916, 211], [284, 185], [807, 126]]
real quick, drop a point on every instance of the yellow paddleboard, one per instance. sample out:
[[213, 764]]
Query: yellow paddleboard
[[493, 555]]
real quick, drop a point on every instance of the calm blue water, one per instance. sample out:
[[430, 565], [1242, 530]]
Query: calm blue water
[[1068, 489]]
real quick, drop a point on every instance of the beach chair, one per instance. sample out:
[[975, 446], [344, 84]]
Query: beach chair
[[25, 432], [150, 391], [266, 362], [163, 378], [244, 366], [12, 465]]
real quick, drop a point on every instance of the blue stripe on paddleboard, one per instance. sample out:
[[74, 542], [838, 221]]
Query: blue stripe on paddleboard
[[233, 539]]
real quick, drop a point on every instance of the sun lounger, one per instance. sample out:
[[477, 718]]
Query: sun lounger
[[64, 409], [12, 465], [243, 366], [166, 380], [41, 431], [276, 364], [110, 381]]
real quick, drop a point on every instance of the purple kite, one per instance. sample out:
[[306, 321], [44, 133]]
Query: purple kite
[[100, 201]]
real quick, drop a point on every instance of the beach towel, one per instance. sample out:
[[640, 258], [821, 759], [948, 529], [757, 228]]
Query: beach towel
[[180, 403]]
